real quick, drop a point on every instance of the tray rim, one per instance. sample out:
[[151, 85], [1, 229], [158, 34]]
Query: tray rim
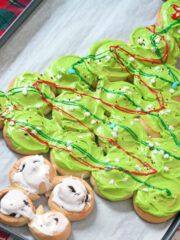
[[19, 20]]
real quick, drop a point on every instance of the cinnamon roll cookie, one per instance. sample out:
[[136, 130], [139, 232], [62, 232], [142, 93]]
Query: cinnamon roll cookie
[[73, 197], [34, 174], [16, 208], [50, 226]]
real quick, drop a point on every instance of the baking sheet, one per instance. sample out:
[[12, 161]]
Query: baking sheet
[[61, 27]]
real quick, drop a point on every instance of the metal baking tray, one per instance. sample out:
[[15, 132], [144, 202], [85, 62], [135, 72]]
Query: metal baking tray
[[123, 221], [19, 20]]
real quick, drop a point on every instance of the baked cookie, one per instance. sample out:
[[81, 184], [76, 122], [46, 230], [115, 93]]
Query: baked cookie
[[51, 225], [25, 132], [25, 96], [112, 59], [16, 209], [34, 174], [73, 197], [160, 204], [78, 150], [153, 46]]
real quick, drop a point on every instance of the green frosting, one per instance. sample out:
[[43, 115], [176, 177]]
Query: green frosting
[[104, 133], [148, 45], [159, 203], [70, 139], [23, 142], [125, 133], [168, 117], [79, 107], [160, 78], [25, 96], [71, 71], [105, 62], [4, 104], [114, 185]]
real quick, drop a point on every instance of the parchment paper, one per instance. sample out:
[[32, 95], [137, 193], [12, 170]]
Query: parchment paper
[[61, 27]]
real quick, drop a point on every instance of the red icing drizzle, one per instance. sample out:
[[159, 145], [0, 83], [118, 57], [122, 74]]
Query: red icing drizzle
[[36, 84], [176, 15], [119, 108]]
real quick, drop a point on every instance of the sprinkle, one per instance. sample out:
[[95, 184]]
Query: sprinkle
[[34, 132], [166, 169], [68, 142], [112, 181], [138, 109], [138, 168], [59, 76], [70, 148], [171, 90], [78, 98], [11, 123], [140, 40], [178, 31], [108, 57], [112, 125], [114, 134], [157, 68], [10, 108], [125, 88], [166, 156], [166, 111], [157, 39], [145, 189], [71, 71], [155, 151], [162, 112], [24, 91], [136, 119], [151, 144], [93, 121], [153, 49], [3, 114], [125, 179], [87, 114], [153, 80], [131, 59], [117, 160], [171, 127], [115, 129], [174, 85], [161, 152]]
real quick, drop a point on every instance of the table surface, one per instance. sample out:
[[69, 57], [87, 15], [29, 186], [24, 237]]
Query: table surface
[[62, 27]]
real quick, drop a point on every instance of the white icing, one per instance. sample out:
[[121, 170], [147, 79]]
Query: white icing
[[70, 194], [15, 202], [32, 172], [50, 223]]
